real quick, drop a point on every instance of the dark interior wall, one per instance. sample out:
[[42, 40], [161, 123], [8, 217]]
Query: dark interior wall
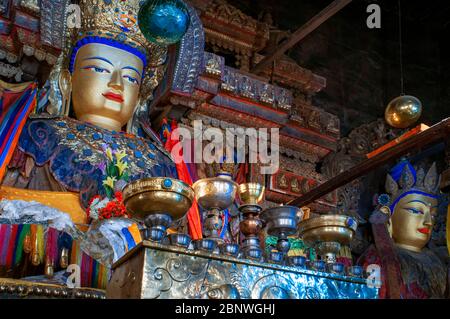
[[362, 64]]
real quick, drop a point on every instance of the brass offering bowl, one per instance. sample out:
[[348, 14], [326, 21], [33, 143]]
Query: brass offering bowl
[[297, 261], [214, 195], [251, 248], [205, 244], [180, 240], [281, 222], [251, 194], [318, 265], [355, 271], [336, 268], [327, 233], [229, 249], [157, 201], [275, 257]]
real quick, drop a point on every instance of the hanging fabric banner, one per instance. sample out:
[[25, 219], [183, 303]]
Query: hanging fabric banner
[[16, 103], [193, 215]]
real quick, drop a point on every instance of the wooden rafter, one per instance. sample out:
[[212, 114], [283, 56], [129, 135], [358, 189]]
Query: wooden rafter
[[300, 34], [437, 133]]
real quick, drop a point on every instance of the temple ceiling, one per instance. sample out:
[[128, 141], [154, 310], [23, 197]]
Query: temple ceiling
[[361, 65]]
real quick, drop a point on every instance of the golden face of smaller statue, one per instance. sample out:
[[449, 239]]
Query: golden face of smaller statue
[[105, 85], [412, 221]]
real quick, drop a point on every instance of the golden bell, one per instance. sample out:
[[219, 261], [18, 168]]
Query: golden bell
[[403, 111]]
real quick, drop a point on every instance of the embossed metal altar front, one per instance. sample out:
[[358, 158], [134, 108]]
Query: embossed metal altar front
[[158, 271]]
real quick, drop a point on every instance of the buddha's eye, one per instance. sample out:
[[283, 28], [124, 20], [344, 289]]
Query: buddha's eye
[[415, 211], [131, 79], [96, 69]]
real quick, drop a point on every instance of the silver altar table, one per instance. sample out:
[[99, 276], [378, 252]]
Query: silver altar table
[[152, 270]]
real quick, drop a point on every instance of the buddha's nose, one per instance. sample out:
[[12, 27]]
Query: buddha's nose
[[116, 81], [428, 219]]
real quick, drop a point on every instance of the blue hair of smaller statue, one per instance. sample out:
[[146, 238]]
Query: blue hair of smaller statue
[[397, 170], [403, 179]]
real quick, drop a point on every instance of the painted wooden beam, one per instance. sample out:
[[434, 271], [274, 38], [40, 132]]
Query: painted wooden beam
[[435, 134]]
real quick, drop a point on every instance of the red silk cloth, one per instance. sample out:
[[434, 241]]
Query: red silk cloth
[[193, 215]]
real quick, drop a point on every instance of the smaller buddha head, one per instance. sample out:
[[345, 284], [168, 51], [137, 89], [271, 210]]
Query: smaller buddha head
[[412, 203]]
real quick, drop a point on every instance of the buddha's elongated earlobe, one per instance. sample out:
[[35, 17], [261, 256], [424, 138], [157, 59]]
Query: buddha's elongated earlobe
[[65, 86], [389, 227], [387, 211], [132, 124]]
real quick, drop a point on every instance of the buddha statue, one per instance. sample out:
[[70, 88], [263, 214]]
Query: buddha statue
[[104, 79], [402, 227]]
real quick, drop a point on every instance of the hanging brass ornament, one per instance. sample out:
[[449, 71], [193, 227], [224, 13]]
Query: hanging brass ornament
[[403, 111]]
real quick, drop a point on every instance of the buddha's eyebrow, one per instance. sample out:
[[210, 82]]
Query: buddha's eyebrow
[[99, 58], [131, 68], [419, 201]]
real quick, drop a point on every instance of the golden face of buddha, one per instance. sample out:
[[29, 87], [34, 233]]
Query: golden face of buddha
[[105, 85], [412, 221]]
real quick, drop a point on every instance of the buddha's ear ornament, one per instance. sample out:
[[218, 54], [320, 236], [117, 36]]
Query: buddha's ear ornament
[[386, 210], [55, 107], [65, 86]]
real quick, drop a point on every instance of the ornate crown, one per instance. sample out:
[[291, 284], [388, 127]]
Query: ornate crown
[[404, 179], [116, 21]]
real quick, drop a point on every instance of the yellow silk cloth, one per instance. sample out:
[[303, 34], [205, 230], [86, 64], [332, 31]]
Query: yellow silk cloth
[[64, 201]]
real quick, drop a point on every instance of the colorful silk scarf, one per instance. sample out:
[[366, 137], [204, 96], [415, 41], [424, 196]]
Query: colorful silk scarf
[[16, 103]]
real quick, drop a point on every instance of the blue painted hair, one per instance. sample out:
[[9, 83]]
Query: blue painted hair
[[412, 191], [107, 41], [397, 170]]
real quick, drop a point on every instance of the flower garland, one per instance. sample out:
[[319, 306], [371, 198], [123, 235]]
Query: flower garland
[[116, 177], [100, 209]]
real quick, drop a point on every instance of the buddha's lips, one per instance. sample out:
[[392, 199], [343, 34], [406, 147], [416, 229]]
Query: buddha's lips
[[114, 97], [424, 230]]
